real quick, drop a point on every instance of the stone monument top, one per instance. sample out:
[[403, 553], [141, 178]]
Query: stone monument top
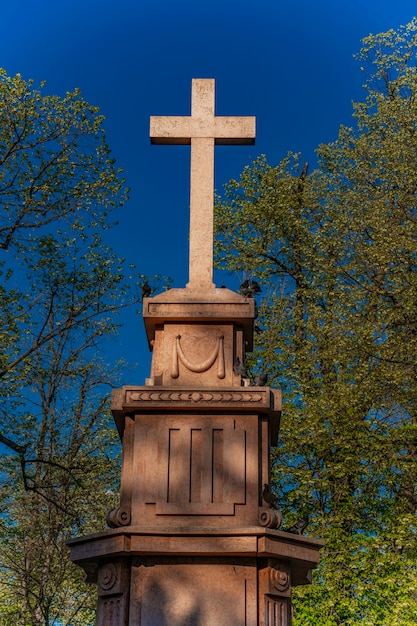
[[202, 129], [196, 539]]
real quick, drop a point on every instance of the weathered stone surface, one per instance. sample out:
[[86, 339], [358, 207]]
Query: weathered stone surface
[[175, 569], [195, 466], [300, 553], [113, 578], [189, 305], [136, 399], [202, 130], [191, 592], [196, 539]]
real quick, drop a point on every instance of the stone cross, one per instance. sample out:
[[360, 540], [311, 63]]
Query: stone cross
[[202, 130]]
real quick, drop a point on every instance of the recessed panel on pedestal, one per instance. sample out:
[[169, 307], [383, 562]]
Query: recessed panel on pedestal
[[193, 592], [194, 465]]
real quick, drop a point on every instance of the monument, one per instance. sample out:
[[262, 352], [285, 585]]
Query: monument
[[196, 538]]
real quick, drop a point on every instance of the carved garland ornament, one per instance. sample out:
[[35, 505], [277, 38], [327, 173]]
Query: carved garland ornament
[[178, 355]]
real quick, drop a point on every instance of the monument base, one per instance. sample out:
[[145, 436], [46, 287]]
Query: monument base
[[196, 539], [195, 577]]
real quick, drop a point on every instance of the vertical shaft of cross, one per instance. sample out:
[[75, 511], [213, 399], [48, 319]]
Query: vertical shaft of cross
[[202, 130], [201, 213], [201, 189]]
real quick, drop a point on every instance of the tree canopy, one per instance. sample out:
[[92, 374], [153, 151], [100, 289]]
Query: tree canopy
[[61, 289], [336, 253], [54, 161]]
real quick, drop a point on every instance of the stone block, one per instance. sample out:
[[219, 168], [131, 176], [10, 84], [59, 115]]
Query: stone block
[[194, 592]]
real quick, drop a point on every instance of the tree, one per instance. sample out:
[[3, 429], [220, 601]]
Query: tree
[[55, 168], [336, 251], [70, 479], [61, 290], [54, 161]]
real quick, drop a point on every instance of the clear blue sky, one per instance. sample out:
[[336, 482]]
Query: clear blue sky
[[289, 63]]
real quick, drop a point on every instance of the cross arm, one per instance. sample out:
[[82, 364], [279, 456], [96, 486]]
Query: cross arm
[[181, 129]]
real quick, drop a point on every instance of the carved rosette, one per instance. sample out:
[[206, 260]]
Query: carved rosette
[[269, 518], [120, 516]]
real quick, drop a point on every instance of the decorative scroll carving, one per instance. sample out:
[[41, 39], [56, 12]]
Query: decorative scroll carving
[[120, 516], [269, 518], [178, 355]]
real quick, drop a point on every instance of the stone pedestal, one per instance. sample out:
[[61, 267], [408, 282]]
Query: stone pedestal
[[196, 539], [240, 577]]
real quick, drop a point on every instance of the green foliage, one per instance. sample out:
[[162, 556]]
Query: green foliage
[[61, 290], [336, 252], [54, 161]]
